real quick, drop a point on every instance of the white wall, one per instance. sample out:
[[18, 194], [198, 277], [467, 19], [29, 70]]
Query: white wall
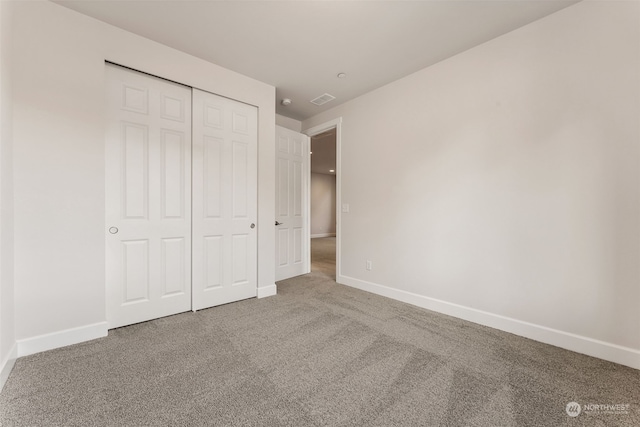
[[286, 122], [501, 185], [59, 163], [323, 205], [7, 311]]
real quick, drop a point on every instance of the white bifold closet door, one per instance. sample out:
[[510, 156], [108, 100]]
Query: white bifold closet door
[[224, 200], [148, 197]]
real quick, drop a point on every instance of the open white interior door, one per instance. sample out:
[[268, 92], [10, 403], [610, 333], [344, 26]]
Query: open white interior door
[[292, 204], [225, 144]]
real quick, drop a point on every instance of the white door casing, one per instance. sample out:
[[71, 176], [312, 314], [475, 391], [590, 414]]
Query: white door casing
[[148, 197], [292, 204], [224, 200]]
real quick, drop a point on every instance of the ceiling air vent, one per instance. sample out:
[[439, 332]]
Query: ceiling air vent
[[323, 99]]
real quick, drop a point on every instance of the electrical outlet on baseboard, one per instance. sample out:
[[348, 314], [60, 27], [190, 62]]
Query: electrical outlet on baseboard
[[369, 265]]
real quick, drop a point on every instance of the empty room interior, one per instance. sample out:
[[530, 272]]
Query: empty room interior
[[455, 188]]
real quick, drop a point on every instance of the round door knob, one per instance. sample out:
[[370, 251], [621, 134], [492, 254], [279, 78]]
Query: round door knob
[[113, 230], [253, 225]]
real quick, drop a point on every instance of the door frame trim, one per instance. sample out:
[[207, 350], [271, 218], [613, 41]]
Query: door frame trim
[[311, 132]]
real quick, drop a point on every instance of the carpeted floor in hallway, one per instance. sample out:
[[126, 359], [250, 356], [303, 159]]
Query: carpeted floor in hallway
[[323, 257]]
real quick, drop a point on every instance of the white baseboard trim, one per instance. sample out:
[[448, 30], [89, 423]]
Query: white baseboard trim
[[267, 291], [7, 365], [315, 236], [580, 344], [63, 338]]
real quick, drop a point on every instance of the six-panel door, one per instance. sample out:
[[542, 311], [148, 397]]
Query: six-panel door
[[292, 215], [148, 197], [225, 140]]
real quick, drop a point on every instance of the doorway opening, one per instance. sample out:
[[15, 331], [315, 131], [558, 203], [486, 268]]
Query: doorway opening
[[324, 199]]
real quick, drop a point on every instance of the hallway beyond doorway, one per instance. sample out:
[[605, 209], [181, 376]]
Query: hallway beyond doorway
[[323, 256]]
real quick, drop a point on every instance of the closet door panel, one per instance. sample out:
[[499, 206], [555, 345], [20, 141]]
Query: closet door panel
[[225, 142], [148, 197]]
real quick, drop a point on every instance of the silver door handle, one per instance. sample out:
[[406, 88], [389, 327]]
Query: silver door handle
[[252, 225], [279, 223], [113, 230]]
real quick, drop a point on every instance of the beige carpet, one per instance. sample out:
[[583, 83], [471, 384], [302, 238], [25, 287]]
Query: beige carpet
[[317, 354]]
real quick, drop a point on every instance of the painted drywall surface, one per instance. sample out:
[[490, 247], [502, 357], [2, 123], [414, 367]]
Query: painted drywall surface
[[286, 122], [505, 179], [323, 204], [59, 157], [7, 312]]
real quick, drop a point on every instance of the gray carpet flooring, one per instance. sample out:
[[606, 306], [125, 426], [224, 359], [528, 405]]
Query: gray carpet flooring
[[317, 354]]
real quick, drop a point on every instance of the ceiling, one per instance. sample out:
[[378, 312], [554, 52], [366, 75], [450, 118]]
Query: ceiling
[[300, 46], [323, 152]]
